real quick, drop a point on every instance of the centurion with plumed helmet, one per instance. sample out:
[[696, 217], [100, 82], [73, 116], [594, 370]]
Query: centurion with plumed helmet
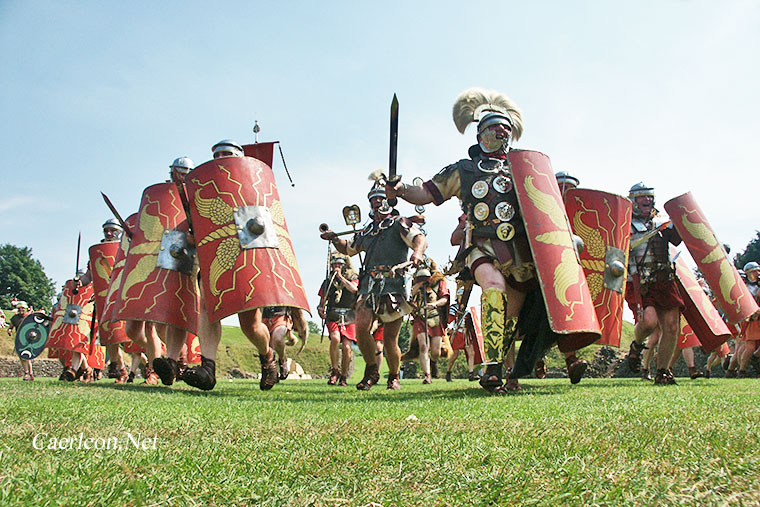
[[517, 238]]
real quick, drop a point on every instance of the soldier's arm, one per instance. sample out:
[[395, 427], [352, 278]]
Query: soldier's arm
[[415, 194], [442, 187], [419, 246], [351, 285]]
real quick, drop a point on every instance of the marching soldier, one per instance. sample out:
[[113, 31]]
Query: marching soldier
[[22, 310], [99, 270], [173, 365], [750, 328], [158, 292], [386, 242], [512, 206], [245, 256], [337, 299], [430, 301], [652, 292]]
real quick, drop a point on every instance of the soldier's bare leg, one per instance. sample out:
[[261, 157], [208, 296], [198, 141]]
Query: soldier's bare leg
[[646, 325], [424, 357], [277, 342], [646, 356], [300, 325], [368, 347], [114, 355], [452, 359], [168, 369], [365, 340], [345, 360], [26, 364], [747, 352], [209, 335], [670, 324], [335, 345], [257, 333], [392, 351]]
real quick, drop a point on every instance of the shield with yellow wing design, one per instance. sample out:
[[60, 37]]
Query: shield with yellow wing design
[[244, 250], [700, 313], [730, 292], [102, 260], [603, 222], [114, 285], [687, 338], [155, 288], [70, 329], [569, 305]]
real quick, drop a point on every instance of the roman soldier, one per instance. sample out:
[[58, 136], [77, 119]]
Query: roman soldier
[[430, 301], [158, 293], [750, 328], [338, 295], [517, 243], [102, 259], [652, 292], [245, 256], [71, 329], [173, 365], [22, 310], [386, 242]]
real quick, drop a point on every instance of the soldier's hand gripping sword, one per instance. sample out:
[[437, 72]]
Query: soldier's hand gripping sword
[[123, 224]]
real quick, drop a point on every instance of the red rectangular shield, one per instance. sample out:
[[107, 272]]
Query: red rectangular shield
[[730, 292]]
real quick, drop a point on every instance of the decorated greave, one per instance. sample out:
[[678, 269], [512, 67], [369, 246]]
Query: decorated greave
[[492, 321], [510, 333]]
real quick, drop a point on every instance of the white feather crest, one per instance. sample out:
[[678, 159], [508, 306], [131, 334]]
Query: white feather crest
[[472, 102]]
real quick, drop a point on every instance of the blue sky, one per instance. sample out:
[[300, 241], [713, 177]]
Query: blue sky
[[102, 96]]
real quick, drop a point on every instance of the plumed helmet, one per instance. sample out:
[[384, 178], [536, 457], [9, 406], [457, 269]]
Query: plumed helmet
[[564, 178], [228, 145], [487, 107], [751, 266], [182, 165], [112, 223], [377, 190]]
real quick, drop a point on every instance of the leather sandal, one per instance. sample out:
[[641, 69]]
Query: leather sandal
[[167, 369], [203, 377], [371, 377], [270, 374]]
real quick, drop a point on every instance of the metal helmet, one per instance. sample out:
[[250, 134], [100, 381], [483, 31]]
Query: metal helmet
[[182, 165], [377, 190], [565, 180], [751, 266], [423, 272], [112, 223], [229, 146], [638, 190]]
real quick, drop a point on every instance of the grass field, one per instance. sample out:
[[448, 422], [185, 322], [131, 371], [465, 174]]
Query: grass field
[[604, 441]]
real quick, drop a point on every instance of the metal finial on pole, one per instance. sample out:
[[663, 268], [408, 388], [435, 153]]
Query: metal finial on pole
[[256, 130]]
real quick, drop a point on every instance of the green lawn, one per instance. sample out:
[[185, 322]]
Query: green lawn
[[604, 441]]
